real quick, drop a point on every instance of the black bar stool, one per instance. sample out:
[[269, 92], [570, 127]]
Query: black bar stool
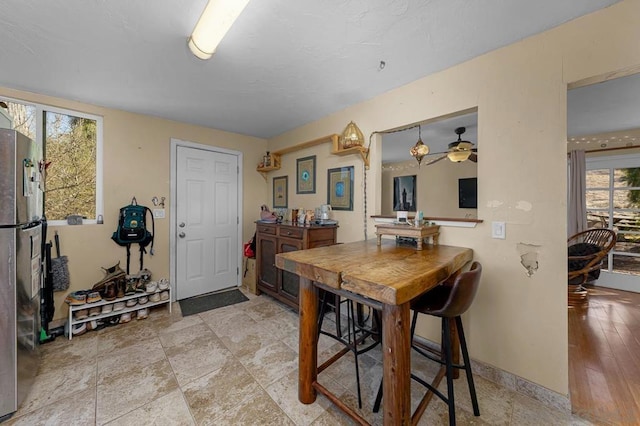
[[447, 301], [356, 333]]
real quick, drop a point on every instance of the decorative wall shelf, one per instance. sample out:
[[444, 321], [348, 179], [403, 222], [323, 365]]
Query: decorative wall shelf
[[357, 149], [275, 165], [335, 150]]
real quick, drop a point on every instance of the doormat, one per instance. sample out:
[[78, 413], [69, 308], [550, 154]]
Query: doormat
[[198, 304]]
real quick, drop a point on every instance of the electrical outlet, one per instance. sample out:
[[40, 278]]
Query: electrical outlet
[[158, 213], [498, 230]]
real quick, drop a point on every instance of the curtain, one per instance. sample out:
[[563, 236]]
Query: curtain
[[577, 211]]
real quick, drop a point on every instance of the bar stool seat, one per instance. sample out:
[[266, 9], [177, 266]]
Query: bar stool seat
[[447, 301]]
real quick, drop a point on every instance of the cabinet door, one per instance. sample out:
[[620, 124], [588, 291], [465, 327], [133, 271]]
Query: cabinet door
[[266, 259], [289, 283]]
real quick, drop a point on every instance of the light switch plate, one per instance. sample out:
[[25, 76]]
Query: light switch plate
[[498, 230], [158, 213]]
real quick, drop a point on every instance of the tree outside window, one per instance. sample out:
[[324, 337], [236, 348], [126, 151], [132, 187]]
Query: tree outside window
[[70, 149]]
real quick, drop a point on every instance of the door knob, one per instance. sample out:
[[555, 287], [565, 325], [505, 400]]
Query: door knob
[[181, 225], [181, 235]]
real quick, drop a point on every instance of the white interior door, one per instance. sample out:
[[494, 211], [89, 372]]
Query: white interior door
[[207, 223]]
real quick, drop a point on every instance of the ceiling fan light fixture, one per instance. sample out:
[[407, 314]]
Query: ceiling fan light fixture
[[214, 23], [458, 156], [419, 150], [351, 136]]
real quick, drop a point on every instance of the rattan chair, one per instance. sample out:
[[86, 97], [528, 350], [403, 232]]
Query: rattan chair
[[586, 252]]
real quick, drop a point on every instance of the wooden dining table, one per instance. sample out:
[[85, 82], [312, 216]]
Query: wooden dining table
[[386, 277]]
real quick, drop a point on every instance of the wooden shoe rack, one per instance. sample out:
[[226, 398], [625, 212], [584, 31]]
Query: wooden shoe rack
[[75, 308]]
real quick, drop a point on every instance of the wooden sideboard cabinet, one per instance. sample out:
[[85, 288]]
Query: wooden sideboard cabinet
[[274, 238]]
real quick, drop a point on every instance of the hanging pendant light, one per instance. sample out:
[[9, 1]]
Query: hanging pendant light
[[419, 150], [351, 136]]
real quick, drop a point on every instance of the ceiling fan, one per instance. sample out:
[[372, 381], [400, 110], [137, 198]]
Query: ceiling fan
[[458, 150]]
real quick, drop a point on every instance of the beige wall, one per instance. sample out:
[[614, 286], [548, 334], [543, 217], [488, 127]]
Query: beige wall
[[436, 187], [518, 323], [137, 163]]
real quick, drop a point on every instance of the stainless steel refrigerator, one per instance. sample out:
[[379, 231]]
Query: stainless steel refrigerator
[[21, 204]]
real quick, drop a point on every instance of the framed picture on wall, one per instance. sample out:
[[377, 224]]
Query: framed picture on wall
[[306, 175], [340, 188], [404, 193], [280, 195]]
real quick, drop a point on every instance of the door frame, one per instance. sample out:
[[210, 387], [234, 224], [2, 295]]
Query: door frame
[[175, 143]]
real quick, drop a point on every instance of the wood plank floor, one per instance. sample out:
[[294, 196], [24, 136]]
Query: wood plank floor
[[604, 357]]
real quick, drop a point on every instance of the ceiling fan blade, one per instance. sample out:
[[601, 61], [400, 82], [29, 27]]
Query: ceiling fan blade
[[473, 157], [435, 160]]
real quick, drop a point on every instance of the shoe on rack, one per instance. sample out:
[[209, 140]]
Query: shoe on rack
[[76, 298], [108, 322], [124, 318], [131, 284], [154, 297], [151, 287], [82, 314], [110, 274], [164, 295], [121, 284], [163, 284], [118, 306], [94, 325], [143, 313], [96, 310], [94, 297], [110, 292], [144, 275], [131, 302], [79, 329], [107, 309], [142, 300]]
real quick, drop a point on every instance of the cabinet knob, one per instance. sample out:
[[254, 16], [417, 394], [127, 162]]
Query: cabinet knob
[[181, 235], [288, 232], [181, 225]]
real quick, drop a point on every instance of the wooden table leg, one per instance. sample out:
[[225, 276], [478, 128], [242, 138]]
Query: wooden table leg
[[396, 347], [308, 353], [379, 239]]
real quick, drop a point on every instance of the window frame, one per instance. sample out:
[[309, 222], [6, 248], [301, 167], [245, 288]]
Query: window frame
[[612, 163], [40, 110]]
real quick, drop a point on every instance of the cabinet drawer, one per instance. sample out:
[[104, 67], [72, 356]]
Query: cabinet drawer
[[266, 229], [322, 234], [291, 233]]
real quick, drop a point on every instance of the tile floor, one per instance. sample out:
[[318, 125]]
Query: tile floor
[[234, 365]]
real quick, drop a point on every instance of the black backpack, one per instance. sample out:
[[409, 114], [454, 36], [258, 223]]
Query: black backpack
[[132, 229]]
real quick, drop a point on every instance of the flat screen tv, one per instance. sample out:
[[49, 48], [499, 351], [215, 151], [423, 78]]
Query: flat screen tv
[[468, 193]]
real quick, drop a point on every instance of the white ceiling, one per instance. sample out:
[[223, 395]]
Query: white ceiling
[[283, 64]]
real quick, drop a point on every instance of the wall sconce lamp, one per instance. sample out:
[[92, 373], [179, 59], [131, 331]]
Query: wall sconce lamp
[[419, 150], [216, 19], [351, 136]]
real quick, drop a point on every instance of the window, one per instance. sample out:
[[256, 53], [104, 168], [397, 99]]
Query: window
[[613, 201], [72, 143]]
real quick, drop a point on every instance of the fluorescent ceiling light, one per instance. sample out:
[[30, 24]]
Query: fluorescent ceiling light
[[216, 19]]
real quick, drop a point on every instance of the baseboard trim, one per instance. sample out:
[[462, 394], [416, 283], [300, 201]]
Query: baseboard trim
[[510, 381]]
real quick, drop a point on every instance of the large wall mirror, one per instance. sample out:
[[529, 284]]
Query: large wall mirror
[[439, 179]]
